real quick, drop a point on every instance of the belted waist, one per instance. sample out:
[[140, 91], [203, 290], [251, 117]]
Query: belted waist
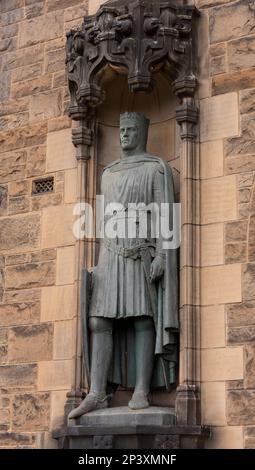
[[133, 252]]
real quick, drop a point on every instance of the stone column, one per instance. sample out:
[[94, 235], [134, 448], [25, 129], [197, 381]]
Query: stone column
[[82, 137], [187, 401]]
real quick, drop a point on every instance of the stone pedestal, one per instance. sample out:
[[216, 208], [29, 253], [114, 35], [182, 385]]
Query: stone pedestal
[[122, 428]]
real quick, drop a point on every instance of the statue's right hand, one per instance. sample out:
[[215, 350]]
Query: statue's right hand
[[92, 271]]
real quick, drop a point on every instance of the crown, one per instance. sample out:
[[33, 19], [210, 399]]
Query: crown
[[138, 118]]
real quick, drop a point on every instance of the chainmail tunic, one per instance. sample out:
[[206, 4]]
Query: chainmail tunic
[[121, 286]]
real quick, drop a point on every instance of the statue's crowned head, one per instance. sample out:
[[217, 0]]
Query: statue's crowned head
[[133, 132]]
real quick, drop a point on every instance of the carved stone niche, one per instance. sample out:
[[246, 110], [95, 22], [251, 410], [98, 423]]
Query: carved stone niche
[[135, 38], [139, 56]]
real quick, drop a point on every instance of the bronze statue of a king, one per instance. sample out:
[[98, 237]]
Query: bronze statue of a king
[[132, 316]]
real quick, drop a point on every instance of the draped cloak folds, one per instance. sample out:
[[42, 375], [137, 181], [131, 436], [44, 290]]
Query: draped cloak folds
[[162, 295]]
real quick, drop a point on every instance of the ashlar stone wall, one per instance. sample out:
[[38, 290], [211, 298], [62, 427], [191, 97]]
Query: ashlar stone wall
[[38, 302], [38, 272], [227, 166]]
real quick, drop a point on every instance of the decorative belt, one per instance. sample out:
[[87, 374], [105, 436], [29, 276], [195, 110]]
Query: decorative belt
[[132, 252]]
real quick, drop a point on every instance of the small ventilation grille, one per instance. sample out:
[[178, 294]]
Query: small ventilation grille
[[43, 186]]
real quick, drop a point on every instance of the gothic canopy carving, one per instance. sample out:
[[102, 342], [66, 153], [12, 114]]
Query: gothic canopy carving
[[136, 37]]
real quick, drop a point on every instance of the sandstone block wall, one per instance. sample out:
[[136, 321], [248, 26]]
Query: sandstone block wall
[[37, 248], [38, 272], [227, 165]]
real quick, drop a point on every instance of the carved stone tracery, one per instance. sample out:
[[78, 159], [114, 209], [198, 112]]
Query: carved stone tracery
[[136, 38]]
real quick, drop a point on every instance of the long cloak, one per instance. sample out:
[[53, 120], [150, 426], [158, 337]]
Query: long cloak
[[165, 314]]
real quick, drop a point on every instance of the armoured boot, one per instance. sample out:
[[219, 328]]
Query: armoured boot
[[101, 330], [144, 353]]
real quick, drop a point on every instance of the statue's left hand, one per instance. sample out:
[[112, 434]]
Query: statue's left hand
[[157, 268]]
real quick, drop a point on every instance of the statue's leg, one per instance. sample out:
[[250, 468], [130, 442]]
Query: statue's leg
[[102, 344], [101, 355], [144, 354]]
